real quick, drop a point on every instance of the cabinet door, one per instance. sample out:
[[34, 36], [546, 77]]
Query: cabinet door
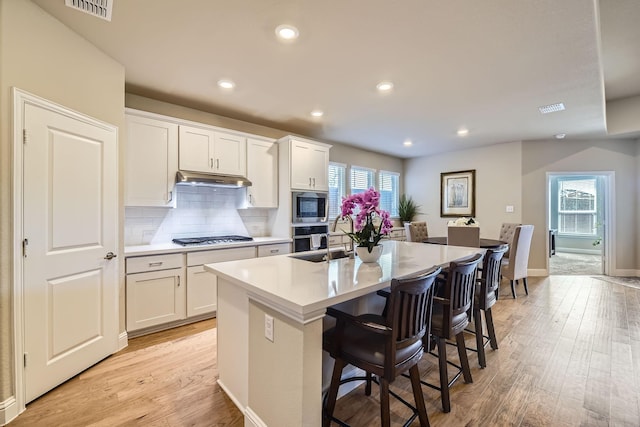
[[262, 171], [196, 149], [230, 154], [155, 297], [201, 293], [309, 166], [151, 162]]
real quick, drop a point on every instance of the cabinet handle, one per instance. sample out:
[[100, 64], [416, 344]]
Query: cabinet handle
[[178, 277], [170, 196], [156, 264], [217, 163], [309, 182], [274, 251], [314, 183], [110, 255], [211, 163]]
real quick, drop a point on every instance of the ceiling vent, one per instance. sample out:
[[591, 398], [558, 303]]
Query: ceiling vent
[[99, 8], [551, 108]]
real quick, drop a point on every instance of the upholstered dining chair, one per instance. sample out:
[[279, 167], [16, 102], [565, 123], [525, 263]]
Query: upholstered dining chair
[[416, 231], [486, 294], [451, 316], [463, 236], [515, 267], [384, 345], [507, 230]]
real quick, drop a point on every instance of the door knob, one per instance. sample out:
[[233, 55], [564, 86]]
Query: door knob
[[110, 255]]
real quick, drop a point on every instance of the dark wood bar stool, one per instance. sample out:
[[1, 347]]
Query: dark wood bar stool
[[451, 315], [384, 346], [485, 297]]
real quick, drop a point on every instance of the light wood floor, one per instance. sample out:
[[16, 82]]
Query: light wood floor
[[569, 356]]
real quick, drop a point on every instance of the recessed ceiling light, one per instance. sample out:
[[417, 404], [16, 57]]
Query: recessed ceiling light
[[551, 108], [463, 132], [560, 135], [317, 113], [226, 84], [407, 143], [384, 86], [287, 32]]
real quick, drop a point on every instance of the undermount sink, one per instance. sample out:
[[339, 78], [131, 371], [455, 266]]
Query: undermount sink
[[322, 256]]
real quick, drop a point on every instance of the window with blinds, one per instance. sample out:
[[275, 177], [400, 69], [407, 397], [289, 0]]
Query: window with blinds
[[577, 206], [388, 186], [337, 188], [361, 179]]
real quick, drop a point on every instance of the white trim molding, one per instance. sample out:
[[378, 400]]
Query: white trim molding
[[251, 419], [123, 340], [8, 410]]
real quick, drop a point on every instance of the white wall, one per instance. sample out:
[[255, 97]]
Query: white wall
[[515, 174], [498, 184], [40, 55], [619, 156]]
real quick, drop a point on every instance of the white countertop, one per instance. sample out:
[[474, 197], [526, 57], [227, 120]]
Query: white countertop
[[302, 290], [167, 248]]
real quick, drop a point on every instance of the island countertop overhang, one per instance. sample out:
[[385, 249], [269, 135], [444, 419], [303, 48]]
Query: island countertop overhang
[[302, 290]]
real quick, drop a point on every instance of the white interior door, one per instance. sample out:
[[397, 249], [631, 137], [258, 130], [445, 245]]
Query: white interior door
[[69, 226]]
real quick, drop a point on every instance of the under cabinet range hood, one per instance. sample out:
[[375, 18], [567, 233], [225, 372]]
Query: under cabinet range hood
[[210, 180]]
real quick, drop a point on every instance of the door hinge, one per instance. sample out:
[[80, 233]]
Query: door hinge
[[25, 359], [24, 136], [25, 243]]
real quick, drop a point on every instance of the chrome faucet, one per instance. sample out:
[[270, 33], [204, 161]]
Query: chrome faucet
[[334, 227]]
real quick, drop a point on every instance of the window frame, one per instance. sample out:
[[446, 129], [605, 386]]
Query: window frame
[[396, 192], [592, 212], [342, 192]]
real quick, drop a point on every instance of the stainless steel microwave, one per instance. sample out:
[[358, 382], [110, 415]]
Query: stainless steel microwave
[[309, 207]]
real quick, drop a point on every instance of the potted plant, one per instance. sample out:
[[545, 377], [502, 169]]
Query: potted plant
[[407, 209], [367, 234]]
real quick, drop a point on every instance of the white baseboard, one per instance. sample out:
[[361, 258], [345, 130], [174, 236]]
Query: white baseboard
[[8, 410], [251, 419], [232, 397], [626, 273], [123, 340]]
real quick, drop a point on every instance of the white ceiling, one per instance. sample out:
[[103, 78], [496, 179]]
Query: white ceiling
[[483, 65]]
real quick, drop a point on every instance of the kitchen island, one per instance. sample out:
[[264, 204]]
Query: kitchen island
[[270, 323]]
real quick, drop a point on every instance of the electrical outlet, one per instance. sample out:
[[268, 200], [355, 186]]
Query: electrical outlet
[[268, 327], [510, 208]]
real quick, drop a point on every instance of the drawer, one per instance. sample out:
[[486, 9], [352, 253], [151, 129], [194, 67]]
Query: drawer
[[220, 255], [275, 249], [154, 263]]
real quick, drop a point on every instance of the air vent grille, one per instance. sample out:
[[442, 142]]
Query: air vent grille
[[99, 8], [551, 108]]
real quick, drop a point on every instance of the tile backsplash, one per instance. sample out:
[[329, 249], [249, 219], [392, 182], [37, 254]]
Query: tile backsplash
[[200, 211]]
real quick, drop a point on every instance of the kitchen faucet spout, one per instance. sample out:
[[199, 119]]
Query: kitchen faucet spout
[[334, 227]]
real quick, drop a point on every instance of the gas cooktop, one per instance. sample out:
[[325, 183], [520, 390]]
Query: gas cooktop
[[211, 240]]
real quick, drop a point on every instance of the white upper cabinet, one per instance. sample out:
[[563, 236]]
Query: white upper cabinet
[[207, 150], [262, 171], [309, 165], [151, 162]]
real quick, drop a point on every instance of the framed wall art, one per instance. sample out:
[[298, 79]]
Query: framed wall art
[[458, 193]]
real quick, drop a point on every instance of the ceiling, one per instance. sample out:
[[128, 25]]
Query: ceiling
[[484, 66]]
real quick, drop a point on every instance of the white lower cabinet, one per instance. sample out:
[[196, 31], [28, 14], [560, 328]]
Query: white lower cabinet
[[201, 294], [274, 249], [156, 290], [164, 291], [202, 286]]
